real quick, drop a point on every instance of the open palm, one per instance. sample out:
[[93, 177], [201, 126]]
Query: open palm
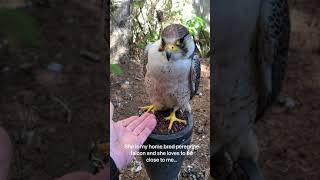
[[131, 131]]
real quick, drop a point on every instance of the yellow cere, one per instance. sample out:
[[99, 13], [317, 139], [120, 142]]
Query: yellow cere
[[171, 47]]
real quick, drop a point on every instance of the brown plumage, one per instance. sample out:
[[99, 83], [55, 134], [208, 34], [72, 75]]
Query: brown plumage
[[176, 31]]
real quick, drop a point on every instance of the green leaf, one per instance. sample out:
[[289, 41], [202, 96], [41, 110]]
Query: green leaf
[[149, 18], [141, 45], [19, 25], [200, 20], [115, 68], [138, 3]]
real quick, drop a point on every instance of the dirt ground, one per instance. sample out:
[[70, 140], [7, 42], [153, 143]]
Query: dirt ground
[[288, 137], [53, 117]]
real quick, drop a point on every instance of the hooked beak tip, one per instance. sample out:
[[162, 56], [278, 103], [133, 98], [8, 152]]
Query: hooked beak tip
[[168, 55]]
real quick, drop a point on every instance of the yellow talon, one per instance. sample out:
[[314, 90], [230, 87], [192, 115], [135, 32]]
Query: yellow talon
[[104, 147], [172, 118], [150, 108]]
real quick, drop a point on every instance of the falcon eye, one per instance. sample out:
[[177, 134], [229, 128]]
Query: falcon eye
[[179, 42]]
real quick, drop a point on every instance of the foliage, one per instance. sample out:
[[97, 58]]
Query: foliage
[[142, 31], [116, 69], [114, 5], [197, 28], [19, 25], [150, 17]]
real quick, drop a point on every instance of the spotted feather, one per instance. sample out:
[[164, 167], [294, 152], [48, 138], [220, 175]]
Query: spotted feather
[[195, 75], [272, 52]]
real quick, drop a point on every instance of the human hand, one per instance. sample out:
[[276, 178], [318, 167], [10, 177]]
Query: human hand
[[133, 131]]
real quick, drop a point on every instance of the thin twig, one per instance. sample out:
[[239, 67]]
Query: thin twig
[[139, 24], [90, 55], [64, 105]]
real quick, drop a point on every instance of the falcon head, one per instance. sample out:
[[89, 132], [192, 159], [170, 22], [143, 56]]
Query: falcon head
[[176, 42]]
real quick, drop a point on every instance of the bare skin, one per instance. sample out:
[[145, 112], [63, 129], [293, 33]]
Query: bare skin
[[133, 131]]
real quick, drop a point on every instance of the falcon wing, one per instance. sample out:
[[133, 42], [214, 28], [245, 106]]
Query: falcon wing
[[272, 52], [145, 59], [195, 72]]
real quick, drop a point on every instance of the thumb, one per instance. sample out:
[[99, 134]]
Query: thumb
[[111, 110]]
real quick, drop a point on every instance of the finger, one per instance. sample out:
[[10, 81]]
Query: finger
[[147, 130], [112, 123], [127, 121], [148, 122], [152, 123], [111, 110], [137, 121], [144, 135], [113, 133]]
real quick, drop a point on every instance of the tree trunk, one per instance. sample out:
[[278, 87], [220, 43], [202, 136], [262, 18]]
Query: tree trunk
[[120, 30]]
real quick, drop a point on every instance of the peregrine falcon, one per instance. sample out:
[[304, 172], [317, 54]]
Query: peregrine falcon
[[251, 50], [172, 72]]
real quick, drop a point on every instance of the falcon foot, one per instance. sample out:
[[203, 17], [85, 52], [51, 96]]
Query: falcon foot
[[99, 156], [104, 148], [147, 109], [172, 118]]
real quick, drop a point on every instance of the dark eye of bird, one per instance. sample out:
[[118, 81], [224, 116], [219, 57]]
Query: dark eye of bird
[[180, 42]]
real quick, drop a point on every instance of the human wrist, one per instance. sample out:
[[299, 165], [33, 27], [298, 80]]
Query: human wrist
[[117, 158]]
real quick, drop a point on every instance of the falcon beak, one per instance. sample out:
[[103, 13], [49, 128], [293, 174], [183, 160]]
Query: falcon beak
[[168, 55], [170, 48]]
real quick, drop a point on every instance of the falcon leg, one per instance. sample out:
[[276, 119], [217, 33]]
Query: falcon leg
[[99, 155], [172, 118], [188, 107], [104, 147], [147, 109]]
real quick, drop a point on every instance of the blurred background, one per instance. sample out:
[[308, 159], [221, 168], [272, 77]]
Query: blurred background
[[53, 84], [289, 132]]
